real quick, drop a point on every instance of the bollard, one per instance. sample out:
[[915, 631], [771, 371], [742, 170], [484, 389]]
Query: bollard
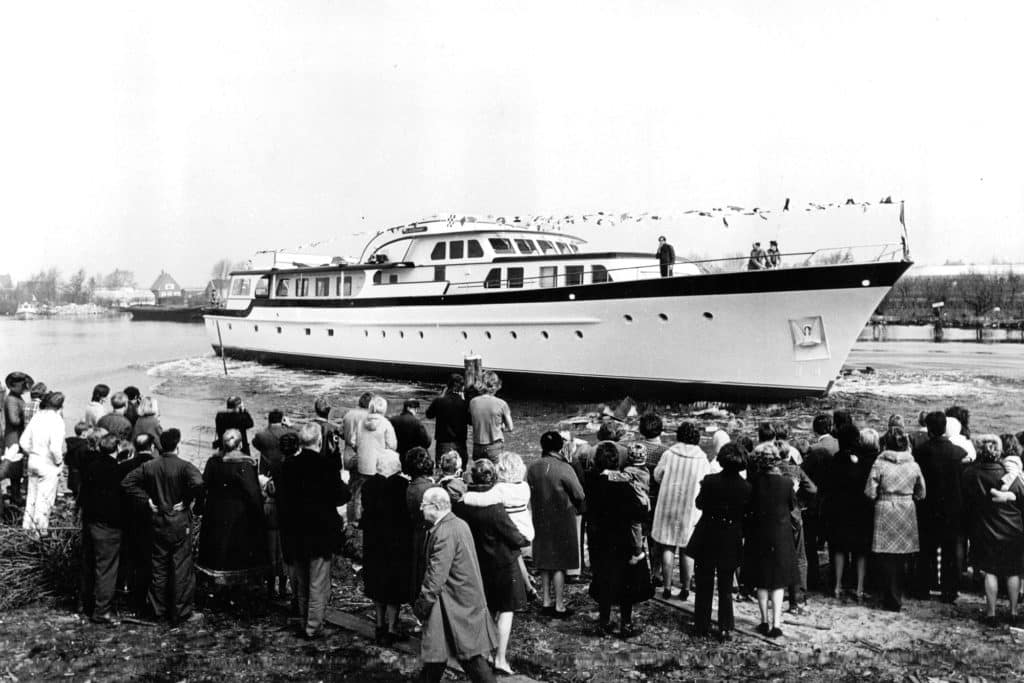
[[472, 369]]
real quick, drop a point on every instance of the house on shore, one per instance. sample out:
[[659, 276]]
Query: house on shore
[[166, 290]]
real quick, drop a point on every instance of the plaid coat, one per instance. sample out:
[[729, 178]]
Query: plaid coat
[[894, 484]]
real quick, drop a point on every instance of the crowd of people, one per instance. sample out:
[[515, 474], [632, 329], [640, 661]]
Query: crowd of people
[[448, 532]]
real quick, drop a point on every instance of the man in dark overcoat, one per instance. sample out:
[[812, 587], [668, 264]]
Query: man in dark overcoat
[[310, 498], [451, 603], [409, 430], [940, 515]]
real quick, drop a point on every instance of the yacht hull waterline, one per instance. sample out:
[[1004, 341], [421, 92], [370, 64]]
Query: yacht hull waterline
[[741, 336]]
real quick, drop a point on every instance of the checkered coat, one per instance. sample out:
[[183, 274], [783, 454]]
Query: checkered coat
[[894, 484]]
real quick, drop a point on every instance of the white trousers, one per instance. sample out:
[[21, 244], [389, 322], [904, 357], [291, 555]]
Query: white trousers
[[42, 494]]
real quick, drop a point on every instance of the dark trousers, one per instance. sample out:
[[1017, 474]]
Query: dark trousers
[[933, 539], [704, 572], [476, 669], [173, 586], [893, 570], [101, 546], [812, 532], [604, 613], [666, 269], [136, 561], [15, 471], [445, 446]]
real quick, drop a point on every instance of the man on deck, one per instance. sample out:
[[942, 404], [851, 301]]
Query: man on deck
[[666, 256]]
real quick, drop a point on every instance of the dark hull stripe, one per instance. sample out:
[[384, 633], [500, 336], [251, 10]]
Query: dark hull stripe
[[752, 282], [528, 384]]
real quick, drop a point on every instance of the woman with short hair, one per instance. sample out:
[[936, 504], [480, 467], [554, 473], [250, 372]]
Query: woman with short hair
[[995, 528], [679, 473], [848, 514], [895, 484], [148, 421]]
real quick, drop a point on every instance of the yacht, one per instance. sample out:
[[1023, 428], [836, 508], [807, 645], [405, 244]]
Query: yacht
[[552, 316]]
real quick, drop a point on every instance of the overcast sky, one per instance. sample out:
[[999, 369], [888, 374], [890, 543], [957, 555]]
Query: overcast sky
[[143, 136]]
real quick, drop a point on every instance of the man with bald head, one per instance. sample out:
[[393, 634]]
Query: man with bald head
[[451, 601]]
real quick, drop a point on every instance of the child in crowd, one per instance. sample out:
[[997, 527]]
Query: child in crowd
[[635, 473], [514, 493], [451, 467]]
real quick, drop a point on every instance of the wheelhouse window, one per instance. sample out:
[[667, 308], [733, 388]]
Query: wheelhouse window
[[240, 286], [574, 275], [302, 286], [493, 279], [526, 246], [283, 285], [546, 247], [563, 248], [549, 276], [575, 249], [515, 278], [323, 286], [600, 274], [263, 287], [346, 289], [456, 249], [438, 254], [501, 245], [474, 250]]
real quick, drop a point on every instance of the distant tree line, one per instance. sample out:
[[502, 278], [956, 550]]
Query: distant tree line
[[50, 287], [970, 297]]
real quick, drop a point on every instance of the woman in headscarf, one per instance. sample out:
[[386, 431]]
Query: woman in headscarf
[[996, 529], [770, 551], [387, 545], [848, 514], [679, 472], [612, 509], [232, 538], [895, 483], [375, 435]]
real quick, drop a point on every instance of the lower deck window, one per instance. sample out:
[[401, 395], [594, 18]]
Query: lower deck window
[[515, 278], [493, 279], [573, 275]]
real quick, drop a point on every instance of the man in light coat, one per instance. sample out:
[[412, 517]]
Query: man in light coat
[[451, 601], [43, 440]]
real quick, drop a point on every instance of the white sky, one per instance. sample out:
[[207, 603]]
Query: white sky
[[143, 136]]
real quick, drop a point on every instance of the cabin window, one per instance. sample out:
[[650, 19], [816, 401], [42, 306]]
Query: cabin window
[[500, 245], [438, 254], [515, 278], [240, 286], [546, 247], [377, 277], [439, 274], [474, 250], [282, 287], [263, 287], [563, 248], [574, 275], [302, 286], [493, 279], [347, 286], [574, 248], [323, 286], [396, 251], [600, 274], [526, 246], [455, 249], [549, 276]]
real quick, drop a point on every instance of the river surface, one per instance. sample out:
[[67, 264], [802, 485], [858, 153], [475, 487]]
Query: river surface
[[174, 362]]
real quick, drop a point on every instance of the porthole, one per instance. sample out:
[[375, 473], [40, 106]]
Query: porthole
[[544, 333], [465, 335], [366, 333], [487, 334], [255, 328], [308, 331], [384, 333], [865, 283], [330, 333], [401, 334], [513, 334], [421, 334], [572, 297], [279, 330], [663, 317], [229, 326], [709, 316], [628, 318], [579, 334]]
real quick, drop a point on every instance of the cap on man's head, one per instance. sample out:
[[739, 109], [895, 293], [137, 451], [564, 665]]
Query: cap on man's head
[[169, 440], [322, 406], [234, 402], [411, 403], [15, 378]]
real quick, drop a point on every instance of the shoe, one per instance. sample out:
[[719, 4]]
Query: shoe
[[775, 633], [683, 596], [630, 631], [503, 670], [725, 636], [564, 614], [797, 610], [699, 633], [1013, 620], [859, 598], [547, 611], [104, 619], [666, 593], [315, 635], [605, 628], [762, 628], [657, 581]]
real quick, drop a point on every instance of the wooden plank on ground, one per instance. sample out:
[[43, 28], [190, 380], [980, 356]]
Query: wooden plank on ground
[[365, 629]]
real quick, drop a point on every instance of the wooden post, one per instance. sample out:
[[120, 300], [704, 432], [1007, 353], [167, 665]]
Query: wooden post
[[473, 369], [220, 341]]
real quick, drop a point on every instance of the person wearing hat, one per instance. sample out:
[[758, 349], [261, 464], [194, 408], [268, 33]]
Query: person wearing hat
[[556, 496], [409, 430], [43, 441], [12, 464], [666, 256], [235, 417]]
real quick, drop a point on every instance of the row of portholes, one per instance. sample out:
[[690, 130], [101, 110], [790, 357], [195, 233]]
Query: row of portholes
[[401, 333], [663, 317]]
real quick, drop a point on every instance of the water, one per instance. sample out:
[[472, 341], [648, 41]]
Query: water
[[174, 362]]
